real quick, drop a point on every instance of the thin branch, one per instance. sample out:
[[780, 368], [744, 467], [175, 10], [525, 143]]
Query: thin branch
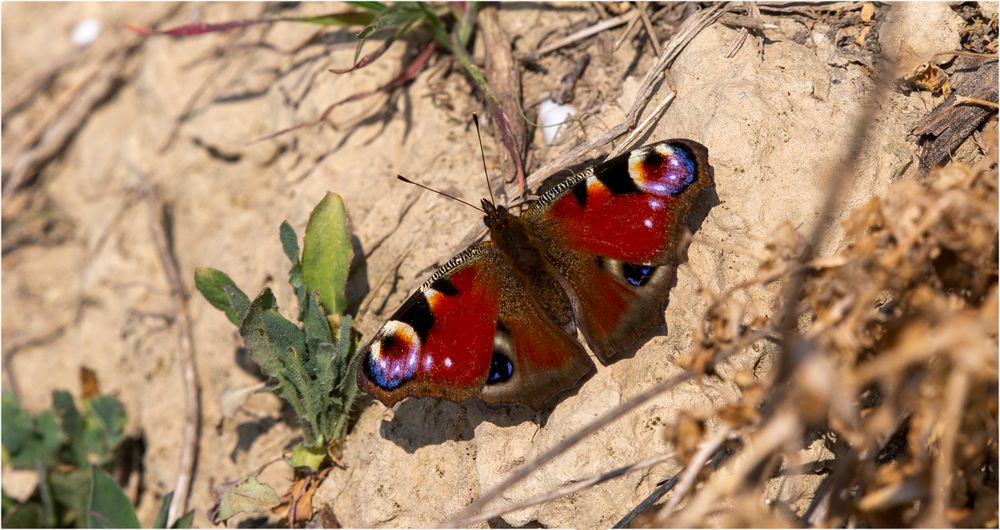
[[641, 7], [781, 429], [582, 34], [658, 493], [158, 225], [943, 474], [690, 474], [962, 100]]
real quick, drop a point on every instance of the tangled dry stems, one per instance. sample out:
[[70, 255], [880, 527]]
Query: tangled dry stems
[[897, 336]]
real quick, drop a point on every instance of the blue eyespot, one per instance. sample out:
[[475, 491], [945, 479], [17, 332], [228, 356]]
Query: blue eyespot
[[501, 369], [637, 275]]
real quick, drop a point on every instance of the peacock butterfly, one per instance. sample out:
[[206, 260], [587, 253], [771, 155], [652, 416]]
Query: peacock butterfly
[[596, 253]]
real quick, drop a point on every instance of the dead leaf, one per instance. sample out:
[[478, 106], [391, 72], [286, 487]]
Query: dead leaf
[[89, 386], [928, 76]]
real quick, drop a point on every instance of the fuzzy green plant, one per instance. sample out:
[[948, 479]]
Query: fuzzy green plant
[[72, 450], [309, 363]]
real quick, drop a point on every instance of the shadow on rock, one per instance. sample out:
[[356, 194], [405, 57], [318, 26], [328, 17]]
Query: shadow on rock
[[419, 422]]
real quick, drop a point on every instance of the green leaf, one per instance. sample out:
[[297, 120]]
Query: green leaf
[[104, 428], [161, 516], [28, 440], [374, 7], [394, 15], [327, 252], [247, 496], [108, 506], [351, 18], [16, 431], [27, 515], [221, 291], [71, 493], [184, 521], [289, 242], [66, 411], [403, 14], [437, 26], [307, 457], [50, 436], [316, 326], [257, 341]]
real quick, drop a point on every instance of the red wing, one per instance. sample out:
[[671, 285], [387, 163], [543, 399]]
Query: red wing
[[439, 342], [472, 331], [631, 208], [613, 233]]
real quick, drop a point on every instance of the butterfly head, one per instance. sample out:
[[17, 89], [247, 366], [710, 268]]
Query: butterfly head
[[496, 216]]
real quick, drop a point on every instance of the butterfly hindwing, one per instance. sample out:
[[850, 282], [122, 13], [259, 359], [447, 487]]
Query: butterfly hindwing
[[613, 231], [472, 330]]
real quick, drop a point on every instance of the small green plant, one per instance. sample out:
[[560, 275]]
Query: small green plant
[[72, 451], [310, 364]]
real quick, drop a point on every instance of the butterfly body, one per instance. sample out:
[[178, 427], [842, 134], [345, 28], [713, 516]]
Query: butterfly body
[[596, 253]]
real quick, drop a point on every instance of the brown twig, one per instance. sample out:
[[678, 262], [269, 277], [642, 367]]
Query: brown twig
[[158, 225], [504, 77], [962, 100], [632, 24], [698, 461], [36, 82], [951, 421], [641, 7], [582, 34], [779, 430]]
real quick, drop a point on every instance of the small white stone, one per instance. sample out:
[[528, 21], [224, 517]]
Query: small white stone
[[550, 114], [86, 32], [818, 38]]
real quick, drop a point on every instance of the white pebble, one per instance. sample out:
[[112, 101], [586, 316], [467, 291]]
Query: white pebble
[[549, 114], [86, 32]]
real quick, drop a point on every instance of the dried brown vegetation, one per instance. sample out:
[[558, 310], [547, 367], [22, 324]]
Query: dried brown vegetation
[[895, 374]]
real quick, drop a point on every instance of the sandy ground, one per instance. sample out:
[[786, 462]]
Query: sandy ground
[[84, 286]]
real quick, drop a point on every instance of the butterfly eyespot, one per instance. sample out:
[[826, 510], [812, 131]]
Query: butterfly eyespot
[[392, 359], [501, 369], [637, 275], [664, 169]]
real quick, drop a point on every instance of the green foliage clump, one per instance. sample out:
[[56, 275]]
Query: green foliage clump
[[72, 450], [310, 364]]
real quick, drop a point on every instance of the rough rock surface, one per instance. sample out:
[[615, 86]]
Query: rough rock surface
[[772, 124]]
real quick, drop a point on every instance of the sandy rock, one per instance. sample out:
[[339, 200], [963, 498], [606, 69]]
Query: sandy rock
[[989, 9], [916, 31]]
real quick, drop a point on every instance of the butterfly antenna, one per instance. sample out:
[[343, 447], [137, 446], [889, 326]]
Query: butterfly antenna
[[469, 204], [475, 118]]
